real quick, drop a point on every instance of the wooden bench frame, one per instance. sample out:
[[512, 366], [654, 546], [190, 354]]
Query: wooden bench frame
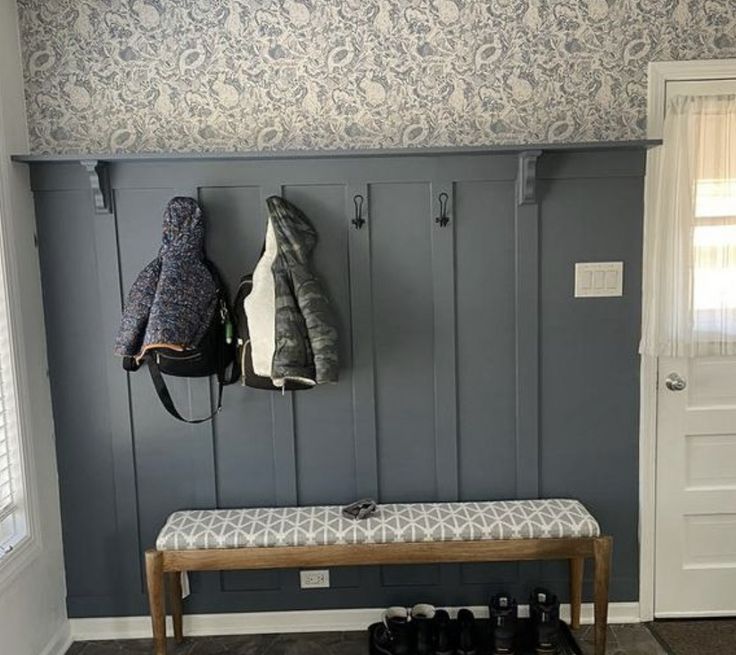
[[163, 563]]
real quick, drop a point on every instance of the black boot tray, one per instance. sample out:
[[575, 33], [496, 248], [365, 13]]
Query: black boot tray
[[526, 641]]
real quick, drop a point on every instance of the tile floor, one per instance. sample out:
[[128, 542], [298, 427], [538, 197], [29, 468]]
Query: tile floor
[[622, 640]]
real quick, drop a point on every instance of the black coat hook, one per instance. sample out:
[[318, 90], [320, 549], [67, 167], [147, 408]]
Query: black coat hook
[[358, 221], [443, 219]]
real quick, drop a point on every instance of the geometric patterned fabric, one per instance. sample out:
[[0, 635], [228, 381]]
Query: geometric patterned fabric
[[392, 523]]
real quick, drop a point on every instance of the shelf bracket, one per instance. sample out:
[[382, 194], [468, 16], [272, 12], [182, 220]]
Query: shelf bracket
[[526, 180], [99, 182]]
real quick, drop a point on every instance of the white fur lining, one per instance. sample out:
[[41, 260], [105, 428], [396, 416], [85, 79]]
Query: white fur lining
[[279, 382], [260, 309]]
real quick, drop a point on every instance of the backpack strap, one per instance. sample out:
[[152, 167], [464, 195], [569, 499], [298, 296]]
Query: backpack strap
[[223, 378], [165, 397]]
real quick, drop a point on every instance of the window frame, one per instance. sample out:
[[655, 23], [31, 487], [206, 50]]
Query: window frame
[[29, 546]]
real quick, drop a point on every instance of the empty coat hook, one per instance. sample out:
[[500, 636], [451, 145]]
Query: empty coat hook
[[358, 221], [443, 219]]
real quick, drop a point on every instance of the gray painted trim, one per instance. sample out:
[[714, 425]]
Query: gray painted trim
[[280, 589], [445, 343], [527, 339], [310, 154], [526, 182], [128, 541], [201, 402], [361, 312], [282, 408], [526, 243], [99, 183], [499, 167], [363, 374]]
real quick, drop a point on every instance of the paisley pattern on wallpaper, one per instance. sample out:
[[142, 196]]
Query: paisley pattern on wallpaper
[[165, 75]]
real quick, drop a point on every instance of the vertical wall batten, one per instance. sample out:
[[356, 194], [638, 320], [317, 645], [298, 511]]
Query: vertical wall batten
[[442, 231], [202, 400], [363, 358], [527, 327], [284, 437], [282, 406], [284, 450], [201, 403], [445, 347], [361, 303], [129, 566]]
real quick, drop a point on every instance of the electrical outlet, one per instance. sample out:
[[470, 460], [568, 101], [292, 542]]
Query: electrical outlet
[[318, 579]]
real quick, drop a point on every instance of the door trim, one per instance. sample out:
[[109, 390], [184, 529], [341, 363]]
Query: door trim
[[660, 73]]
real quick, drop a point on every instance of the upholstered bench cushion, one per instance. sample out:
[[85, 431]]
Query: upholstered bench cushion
[[395, 523]]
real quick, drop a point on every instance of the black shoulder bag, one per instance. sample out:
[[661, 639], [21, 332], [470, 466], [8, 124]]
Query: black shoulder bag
[[214, 354]]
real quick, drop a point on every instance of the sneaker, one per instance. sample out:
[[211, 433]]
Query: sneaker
[[422, 616], [504, 617], [442, 633], [544, 612], [467, 639]]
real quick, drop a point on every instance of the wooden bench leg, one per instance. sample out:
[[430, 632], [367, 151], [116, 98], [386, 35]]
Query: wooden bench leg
[[602, 553], [577, 566], [175, 601], [156, 601]]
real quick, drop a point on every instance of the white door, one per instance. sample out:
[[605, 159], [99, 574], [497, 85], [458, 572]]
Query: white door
[[696, 488], [695, 547]]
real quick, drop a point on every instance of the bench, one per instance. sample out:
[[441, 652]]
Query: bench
[[418, 533]]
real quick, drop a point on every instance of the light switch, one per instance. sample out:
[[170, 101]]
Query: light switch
[[599, 279]]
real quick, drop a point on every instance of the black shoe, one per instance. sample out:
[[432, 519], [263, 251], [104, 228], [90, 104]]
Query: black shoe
[[504, 617], [544, 611], [379, 639], [422, 616], [402, 636], [442, 634], [393, 636], [467, 639]]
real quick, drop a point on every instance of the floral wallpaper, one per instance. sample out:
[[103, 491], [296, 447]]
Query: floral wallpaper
[[209, 75]]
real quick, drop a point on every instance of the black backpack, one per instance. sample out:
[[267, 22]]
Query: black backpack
[[214, 355]]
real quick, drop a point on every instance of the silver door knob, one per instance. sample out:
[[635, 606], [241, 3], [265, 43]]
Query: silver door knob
[[675, 382]]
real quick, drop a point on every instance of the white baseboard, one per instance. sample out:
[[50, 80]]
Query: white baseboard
[[60, 642], [200, 625], [705, 614]]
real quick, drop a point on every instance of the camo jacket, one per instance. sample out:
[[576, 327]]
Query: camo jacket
[[306, 341]]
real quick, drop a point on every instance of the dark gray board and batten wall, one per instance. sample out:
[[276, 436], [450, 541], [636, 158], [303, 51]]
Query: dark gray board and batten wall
[[469, 370]]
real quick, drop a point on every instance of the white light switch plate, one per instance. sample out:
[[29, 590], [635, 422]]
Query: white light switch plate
[[599, 279]]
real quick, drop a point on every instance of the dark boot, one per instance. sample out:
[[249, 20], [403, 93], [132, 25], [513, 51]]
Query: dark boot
[[544, 612], [393, 636], [467, 639], [442, 633], [379, 639], [402, 634], [422, 616], [504, 616]]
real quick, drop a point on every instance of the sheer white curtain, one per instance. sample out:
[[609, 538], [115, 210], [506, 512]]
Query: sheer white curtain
[[690, 232]]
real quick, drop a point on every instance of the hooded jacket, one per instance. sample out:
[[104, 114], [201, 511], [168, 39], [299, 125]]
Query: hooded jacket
[[172, 301], [293, 335]]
